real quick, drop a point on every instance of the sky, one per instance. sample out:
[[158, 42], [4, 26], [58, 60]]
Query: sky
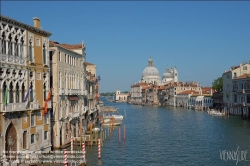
[[200, 38]]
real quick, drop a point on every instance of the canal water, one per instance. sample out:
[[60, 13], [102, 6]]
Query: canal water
[[160, 136]]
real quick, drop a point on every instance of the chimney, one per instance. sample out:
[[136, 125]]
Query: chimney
[[36, 22]]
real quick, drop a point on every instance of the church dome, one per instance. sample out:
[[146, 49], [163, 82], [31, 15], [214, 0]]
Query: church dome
[[150, 71], [168, 74]]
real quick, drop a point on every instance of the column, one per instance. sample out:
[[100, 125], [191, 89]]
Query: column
[[6, 46], [20, 95], [14, 95], [13, 48], [1, 40], [18, 49]]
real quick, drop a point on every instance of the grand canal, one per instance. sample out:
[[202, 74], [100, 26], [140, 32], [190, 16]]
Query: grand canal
[[162, 136]]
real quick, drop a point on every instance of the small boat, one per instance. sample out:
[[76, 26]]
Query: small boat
[[115, 116], [118, 117], [109, 124], [216, 113]]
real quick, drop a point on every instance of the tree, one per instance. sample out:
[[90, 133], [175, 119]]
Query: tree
[[218, 84]]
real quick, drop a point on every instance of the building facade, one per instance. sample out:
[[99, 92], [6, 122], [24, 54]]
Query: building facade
[[25, 85], [241, 96], [69, 92], [228, 77], [120, 97], [174, 88]]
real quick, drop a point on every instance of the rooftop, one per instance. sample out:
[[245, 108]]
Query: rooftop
[[23, 25]]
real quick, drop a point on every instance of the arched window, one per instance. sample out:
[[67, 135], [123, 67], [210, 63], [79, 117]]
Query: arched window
[[10, 46], [4, 91], [44, 91], [3, 44], [21, 47], [11, 93], [16, 46], [244, 67], [31, 92], [17, 94], [30, 51], [44, 54], [23, 91]]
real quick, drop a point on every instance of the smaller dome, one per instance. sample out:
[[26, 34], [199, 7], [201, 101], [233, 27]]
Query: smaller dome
[[167, 75]]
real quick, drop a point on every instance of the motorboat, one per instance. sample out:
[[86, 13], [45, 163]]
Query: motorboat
[[118, 117], [216, 113]]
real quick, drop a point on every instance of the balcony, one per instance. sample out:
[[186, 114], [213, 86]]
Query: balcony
[[84, 92], [90, 96], [61, 91], [73, 91], [73, 115], [13, 107], [10, 59], [34, 106]]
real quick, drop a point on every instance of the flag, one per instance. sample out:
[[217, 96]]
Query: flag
[[26, 96], [99, 78], [6, 97], [45, 106]]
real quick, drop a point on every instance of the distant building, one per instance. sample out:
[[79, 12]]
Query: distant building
[[151, 74], [174, 88], [135, 91], [120, 97], [241, 96], [228, 77]]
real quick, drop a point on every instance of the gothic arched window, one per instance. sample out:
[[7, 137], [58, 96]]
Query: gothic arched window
[[30, 51], [16, 46], [10, 46]]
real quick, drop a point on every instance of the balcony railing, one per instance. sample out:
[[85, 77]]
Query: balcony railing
[[10, 59], [12, 107], [90, 96], [73, 91], [84, 92], [34, 105], [61, 91], [73, 115]]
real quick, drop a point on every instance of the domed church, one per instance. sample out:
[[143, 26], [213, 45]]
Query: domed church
[[151, 74]]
